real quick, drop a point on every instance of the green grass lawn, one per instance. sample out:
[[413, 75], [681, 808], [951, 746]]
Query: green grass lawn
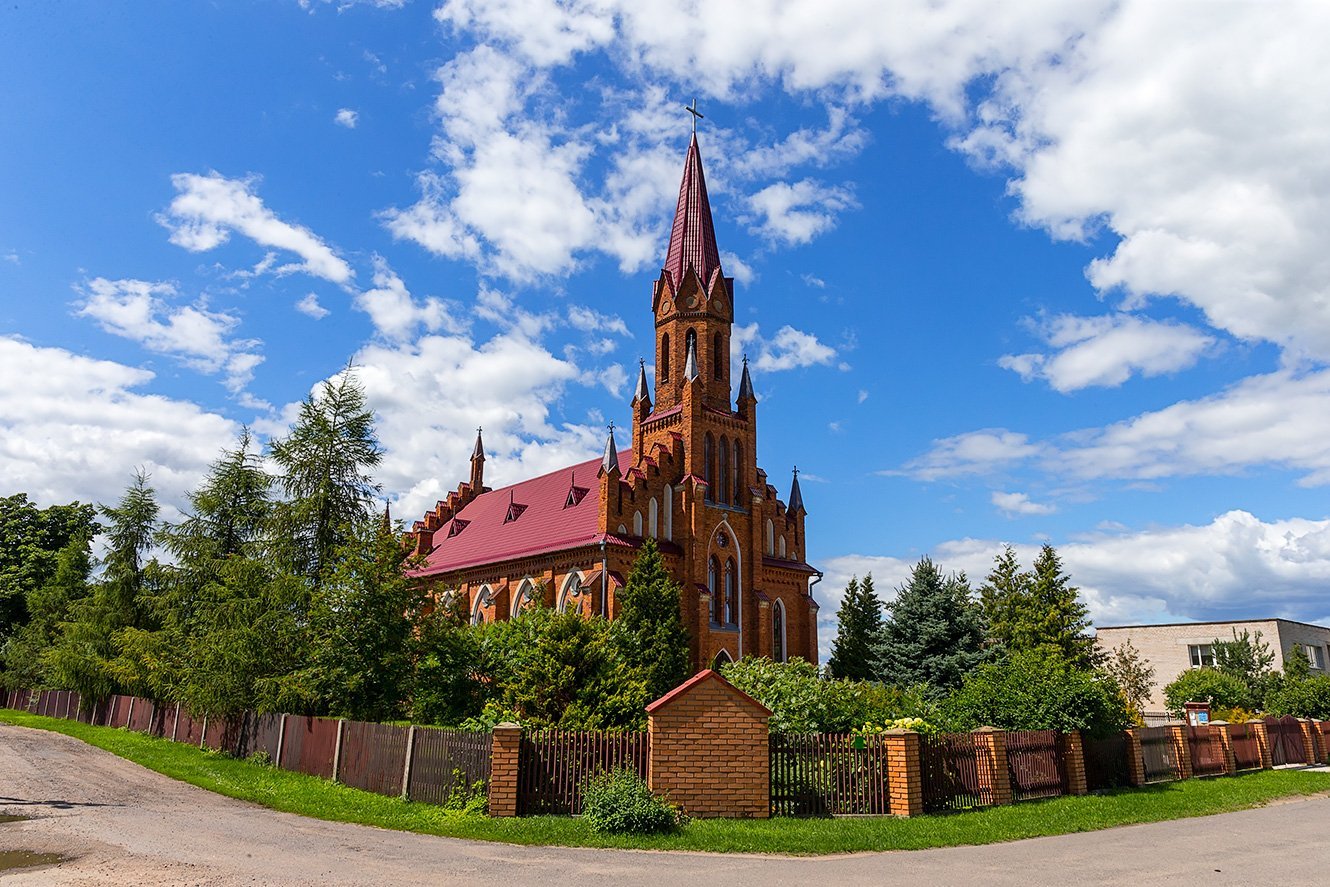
[[309, 796]]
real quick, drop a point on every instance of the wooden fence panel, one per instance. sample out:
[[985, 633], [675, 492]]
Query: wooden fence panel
[[951, 780], [1160, 754], [259, 734], [1207, 750], [1106, 764], [553, 765], [1035, 764], [828, 774], [442, 760], [190, 730], [1285, 741], [373, 756], [309, 745], [1246, 747], [140, 720]]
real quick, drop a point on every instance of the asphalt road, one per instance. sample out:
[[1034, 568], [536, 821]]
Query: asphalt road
[[119, 823]]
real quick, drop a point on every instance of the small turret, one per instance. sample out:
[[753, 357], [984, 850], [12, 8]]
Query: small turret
[[478, 466], [609, 463], [747, 399], [796, 505]]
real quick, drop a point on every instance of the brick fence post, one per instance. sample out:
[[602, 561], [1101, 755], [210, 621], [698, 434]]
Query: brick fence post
[[1309, 740], [1226, 741], [905, 772], [1135, 758], [1073, 758], [504, 754], [1263, 743], [1182, 748], [993, 763]]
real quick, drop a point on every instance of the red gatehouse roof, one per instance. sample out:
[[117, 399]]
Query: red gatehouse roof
[[546, 523]]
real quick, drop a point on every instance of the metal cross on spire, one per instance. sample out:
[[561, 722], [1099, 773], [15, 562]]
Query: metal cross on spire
[[692, 109]]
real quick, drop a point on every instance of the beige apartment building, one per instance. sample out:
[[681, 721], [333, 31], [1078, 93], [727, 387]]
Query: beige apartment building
[[1175, 647]]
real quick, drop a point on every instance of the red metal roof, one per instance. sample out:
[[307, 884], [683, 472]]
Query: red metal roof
[[701, 677], [693, 237], [544, 524]]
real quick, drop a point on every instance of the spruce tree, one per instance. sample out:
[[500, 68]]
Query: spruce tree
[[858, 626], [933, 634], [1056, 618], [1003, 597], [324, 461], [648, 633]]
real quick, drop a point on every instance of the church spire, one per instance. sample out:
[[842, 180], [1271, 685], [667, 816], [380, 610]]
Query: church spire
[[746, 384], [641, 395], [478, 465], [609, 463], [693, 237], [796, 496]]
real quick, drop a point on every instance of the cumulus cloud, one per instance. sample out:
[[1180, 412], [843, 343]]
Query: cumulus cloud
[[395, 313], [972, 453], [789, 349], [1235, 566], [795, 213], [1107, 350], [1019, 505], [346, 117], [208, 208], [72, 427], [310, 306], [143, 312]]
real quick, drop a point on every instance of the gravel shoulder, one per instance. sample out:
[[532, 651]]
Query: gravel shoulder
[[119, 823]]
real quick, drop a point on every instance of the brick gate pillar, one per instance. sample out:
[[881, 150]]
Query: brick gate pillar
[[1182, 748], [905, 774], [709, 749], [504, 753], [1263, 743], [1073, 757], [1225, 740], [1135, 758], [992, 744], [1309, 740]]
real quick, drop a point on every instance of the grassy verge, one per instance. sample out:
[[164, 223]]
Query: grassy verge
[[309, 796]]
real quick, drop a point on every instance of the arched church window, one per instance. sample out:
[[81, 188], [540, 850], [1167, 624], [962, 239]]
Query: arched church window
[[723, 475], [771, 537], [709, 465], [572, 595], [778, 632], [731, 593], [525, 597], [690, 344], [669, 513], [653, 525], [484, 599], [713, 586], [665, 357], [782, 546], [637, 523], [738, 474], [721, 658], [717, 358]]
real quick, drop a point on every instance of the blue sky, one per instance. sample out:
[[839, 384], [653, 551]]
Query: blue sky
[[1045, 272]]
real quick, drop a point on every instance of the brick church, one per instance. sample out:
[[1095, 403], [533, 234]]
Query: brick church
[[690, 480]]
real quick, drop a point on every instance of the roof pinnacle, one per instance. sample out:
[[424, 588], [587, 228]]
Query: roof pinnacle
[[796, 495], [641, 395], [479, 452], [610, 461]]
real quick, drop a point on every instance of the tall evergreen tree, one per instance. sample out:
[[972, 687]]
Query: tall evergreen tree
[[648, 634], [933, 633], [231, 510], [858, 627], [1057, 618], [87, 657], [1003, 597], [324, 461]]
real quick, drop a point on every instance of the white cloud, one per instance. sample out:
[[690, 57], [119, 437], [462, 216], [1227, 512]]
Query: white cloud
[[142, 311], [863, 395], [1236, 566], [310, 305], [737, 268], [1019, 505], [208, 208], [1275, 420], [588, 320], [787, 350], [395, 313], [13, 257], [1106, 350], [346, 117], [72, 427], [796, 213]]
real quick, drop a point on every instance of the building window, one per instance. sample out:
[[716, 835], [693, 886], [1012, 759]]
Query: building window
[[778, 632], [570, 599], [722, 476], [637, 523], [782, 546], [1202, 655], [653, 518], [709, 465], [731, 594], [665, 357], [771, 537], [484, 598], [1315, 655], [669, 513], [713, 579], [525, 597]]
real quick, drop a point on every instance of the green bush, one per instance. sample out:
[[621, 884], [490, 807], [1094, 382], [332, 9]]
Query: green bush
[[1037, 690], [1309, 698], [1207, 685], [802, 701], [619, 802]]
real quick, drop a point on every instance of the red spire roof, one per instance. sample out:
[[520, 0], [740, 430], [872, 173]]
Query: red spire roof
[[693, 237]]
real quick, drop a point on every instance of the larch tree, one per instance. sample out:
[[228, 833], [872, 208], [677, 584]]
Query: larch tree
[[933, 633], [858, 627]]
